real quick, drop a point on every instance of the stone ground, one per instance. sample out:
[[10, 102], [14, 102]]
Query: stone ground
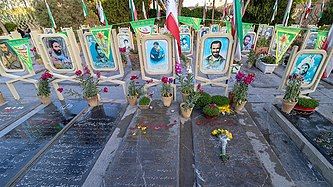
[[67, 143]]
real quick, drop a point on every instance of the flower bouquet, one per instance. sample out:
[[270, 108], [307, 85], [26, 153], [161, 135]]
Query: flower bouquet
[[240, 90], [291, 95], [166, 91], [224, 136], [43, 90]]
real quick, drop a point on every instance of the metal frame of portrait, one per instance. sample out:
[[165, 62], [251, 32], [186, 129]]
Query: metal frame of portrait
[[24, 68], [311, 87], [214, 26], [201, 49], [90, 59], [191, 43], [253, 36], [307, 38], [69, 49], [168, 53], [130, 36]]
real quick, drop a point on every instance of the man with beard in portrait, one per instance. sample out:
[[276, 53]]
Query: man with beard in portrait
[[58, 58]]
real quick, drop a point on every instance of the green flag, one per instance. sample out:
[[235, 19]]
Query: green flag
[[50, 15], [321, 38], [284, 38], [228, 26], [190, 21], [247, 27], [102, 37], [143, 26], [238, 20], [84, 8], [22, 49]]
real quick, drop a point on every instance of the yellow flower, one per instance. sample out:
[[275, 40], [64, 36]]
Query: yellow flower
[[214, 132]]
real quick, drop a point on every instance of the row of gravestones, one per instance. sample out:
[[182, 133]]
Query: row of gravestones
[[60, 55]]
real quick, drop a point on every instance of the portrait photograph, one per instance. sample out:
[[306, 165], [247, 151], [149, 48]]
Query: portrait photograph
[[185, 43], [203, 31], [214, 55], [58, 52], [184, 29], [307, 65], [248, 41], [99, 60], [215, 28], [9, 59], [124, 42], [311, 40], [157, 56]]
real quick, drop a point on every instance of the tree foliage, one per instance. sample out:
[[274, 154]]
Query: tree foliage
[[327, 18]]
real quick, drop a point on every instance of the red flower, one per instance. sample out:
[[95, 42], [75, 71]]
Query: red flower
[[60, 90], [149, 81], [46, 76], [78, 72], [165, 79], [105, 89], [134, 77], [86, 70], [122, 49], [239, 76], [98, 74], [249, 78], [199, 88]]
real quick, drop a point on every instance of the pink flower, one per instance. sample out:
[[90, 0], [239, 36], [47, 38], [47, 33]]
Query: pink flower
[[239, 76], [78, 72], [105, 89], [249, 78], [60, 90], [134, 77], [122, 49], [165, 79], [149, 81], [178, 68], [46, 76], [98, 74], [199, 88], [86, 70]]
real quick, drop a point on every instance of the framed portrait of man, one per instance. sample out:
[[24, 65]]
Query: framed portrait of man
[[125, 42], [185, 42], [9, 60], [215, 28], [310, 40], [98, 59], [203, 31], [310, 64], [249, 41], [184, 29], [157, 54], [57, 49], [215, 54]]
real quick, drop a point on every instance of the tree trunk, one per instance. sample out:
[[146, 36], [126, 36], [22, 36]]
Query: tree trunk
[[180, 6], [3, 28]]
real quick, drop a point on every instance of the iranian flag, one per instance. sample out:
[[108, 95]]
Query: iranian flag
[[237, 28], [172, 22], [133, 10], [308, 9]]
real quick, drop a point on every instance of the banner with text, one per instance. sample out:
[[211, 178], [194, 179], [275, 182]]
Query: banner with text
[[22, 48]]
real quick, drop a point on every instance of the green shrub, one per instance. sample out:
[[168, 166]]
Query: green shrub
[[211, 110], [203, 100], [252, 57], [307, 103], [262, 42], [144, 100], [220, 100], [268, 59]]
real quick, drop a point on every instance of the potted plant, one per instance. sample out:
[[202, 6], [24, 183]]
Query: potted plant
[[251, 59], [133, 91], [203, 100], [43, 90], [262, 45], [266, 63], [186, 85], [187, 106], [240, 90], [220, 100], [144, 102], [308, 105], [211, 111], [166, 91], [292, 92]]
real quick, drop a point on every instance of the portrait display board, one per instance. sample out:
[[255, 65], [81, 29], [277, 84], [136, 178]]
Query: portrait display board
[[215, 28], [49, 31], [186, 42], [125, 41], [310, 64], [310, 40], [249, 41], [203, 31], [265, 31], [15, 56], [214, 57], [184, 29]]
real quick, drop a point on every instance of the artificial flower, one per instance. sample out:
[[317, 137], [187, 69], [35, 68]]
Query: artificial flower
[[78, 72], [60, 90], [134, 77], [105, 89]]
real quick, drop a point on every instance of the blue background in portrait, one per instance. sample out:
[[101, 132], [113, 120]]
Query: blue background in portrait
[[207, 51], [188, 39], [98, 65], [162, 65], [308, 78], [215, 28]]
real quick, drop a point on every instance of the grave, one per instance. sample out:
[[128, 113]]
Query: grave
[[68, 161], [148, 154], [22, 143]]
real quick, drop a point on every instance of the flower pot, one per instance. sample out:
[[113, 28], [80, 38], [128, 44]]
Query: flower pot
[[266, 68], [185, 96], [45, 99], [2, 99], [132, 100], [240, 107], [288, 106], [93, 101], [167, 100], [303, 109], [186, 113]]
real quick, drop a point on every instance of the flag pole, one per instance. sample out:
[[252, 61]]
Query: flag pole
[[286, 14]]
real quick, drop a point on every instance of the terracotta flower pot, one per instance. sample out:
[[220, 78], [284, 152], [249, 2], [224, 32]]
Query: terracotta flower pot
[[167, 100], [288, 106], [185, 96], [144, 107], [45, 100], [303, 109], [132, 100], [240, 107], [186, 113], [93, 101], [2, 99]]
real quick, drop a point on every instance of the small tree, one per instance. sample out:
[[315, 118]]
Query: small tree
[[327, 17]]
